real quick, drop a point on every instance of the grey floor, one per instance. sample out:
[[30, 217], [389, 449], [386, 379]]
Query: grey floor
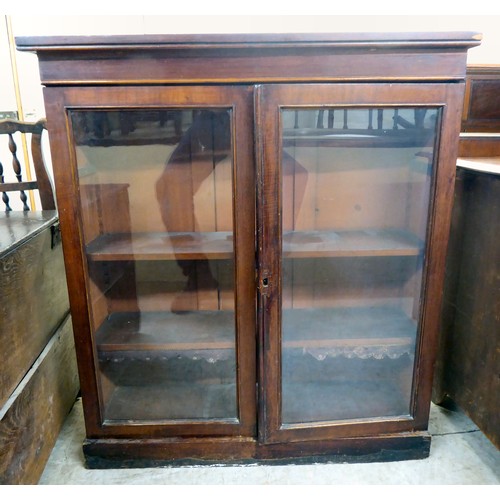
[[460, 455]]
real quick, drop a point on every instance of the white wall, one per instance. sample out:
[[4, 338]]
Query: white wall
[[29, 81], [487, 53], [7, 91]]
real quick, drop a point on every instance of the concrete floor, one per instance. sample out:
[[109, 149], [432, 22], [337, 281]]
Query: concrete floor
[[460, 455]]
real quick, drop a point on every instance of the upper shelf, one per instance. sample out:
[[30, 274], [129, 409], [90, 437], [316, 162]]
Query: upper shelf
[[358, 138], [161, 246], [219, 245], [360, 243]]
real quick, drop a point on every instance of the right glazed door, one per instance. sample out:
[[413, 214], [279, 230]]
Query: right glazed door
[[351, 198]]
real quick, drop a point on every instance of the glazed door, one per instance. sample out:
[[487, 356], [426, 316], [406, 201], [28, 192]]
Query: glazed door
[[157, 212], [353, 184]]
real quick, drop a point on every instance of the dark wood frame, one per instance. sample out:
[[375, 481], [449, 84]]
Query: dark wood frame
[[106, 72], [274, 97], [239, 100]]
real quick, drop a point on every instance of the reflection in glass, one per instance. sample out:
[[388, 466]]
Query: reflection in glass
[[354, 218], [156, 202]]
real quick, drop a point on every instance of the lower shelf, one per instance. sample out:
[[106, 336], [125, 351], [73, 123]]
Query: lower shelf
[[341, 388], [150, 387], [336, 364], [352, 332], [173, 401]]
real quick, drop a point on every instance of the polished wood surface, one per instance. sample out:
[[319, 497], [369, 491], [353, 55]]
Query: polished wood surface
[[273, 73], [480, 145], [482, 99], [481, 113], [18, 227]]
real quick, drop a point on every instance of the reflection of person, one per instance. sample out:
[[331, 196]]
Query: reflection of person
[[200, 149], [207, 140], [206, 143]]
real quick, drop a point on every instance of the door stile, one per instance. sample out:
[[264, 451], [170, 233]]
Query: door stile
[[268, 277]]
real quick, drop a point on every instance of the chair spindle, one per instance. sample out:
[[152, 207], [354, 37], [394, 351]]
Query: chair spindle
[[5, 196], [16, 165]]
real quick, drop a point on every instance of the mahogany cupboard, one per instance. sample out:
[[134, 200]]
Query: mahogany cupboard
[[254, 230]]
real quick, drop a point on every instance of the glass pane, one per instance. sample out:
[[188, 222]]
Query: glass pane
[[356, 185], [156, 203]]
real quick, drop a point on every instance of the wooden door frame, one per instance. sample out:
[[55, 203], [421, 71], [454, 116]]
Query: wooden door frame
[[269, 100], [59, 100]]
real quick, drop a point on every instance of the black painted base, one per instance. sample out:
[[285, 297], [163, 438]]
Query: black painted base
[[141, 453]]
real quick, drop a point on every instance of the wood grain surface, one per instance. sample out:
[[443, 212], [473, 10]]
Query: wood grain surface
[[31, 419]]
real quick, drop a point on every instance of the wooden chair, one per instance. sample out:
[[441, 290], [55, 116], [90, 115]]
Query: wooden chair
[[42, 182]]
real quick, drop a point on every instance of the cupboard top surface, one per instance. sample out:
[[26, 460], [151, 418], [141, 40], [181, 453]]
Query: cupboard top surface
[[334, 40], [237, 58]]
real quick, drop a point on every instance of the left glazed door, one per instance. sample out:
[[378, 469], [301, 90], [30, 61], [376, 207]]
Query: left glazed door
[[156, 195]]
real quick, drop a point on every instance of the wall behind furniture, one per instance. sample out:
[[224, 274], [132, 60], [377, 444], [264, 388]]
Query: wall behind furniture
[[28, 80], [487, 53]]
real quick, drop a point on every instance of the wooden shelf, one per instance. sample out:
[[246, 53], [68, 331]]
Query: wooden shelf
[[353, 332], [219, 245], [362, 243], [357, 332], [167, 331], [317, 402], [179, 392], [402, 138], [173, 401], [182, 366], [161, 246]]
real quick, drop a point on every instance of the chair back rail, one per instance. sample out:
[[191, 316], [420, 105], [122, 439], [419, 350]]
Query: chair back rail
[[42, 182]]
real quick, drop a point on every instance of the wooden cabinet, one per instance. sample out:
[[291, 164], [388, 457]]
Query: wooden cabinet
[[469, 343], [469, 346], [254, 231], [38, 373]]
